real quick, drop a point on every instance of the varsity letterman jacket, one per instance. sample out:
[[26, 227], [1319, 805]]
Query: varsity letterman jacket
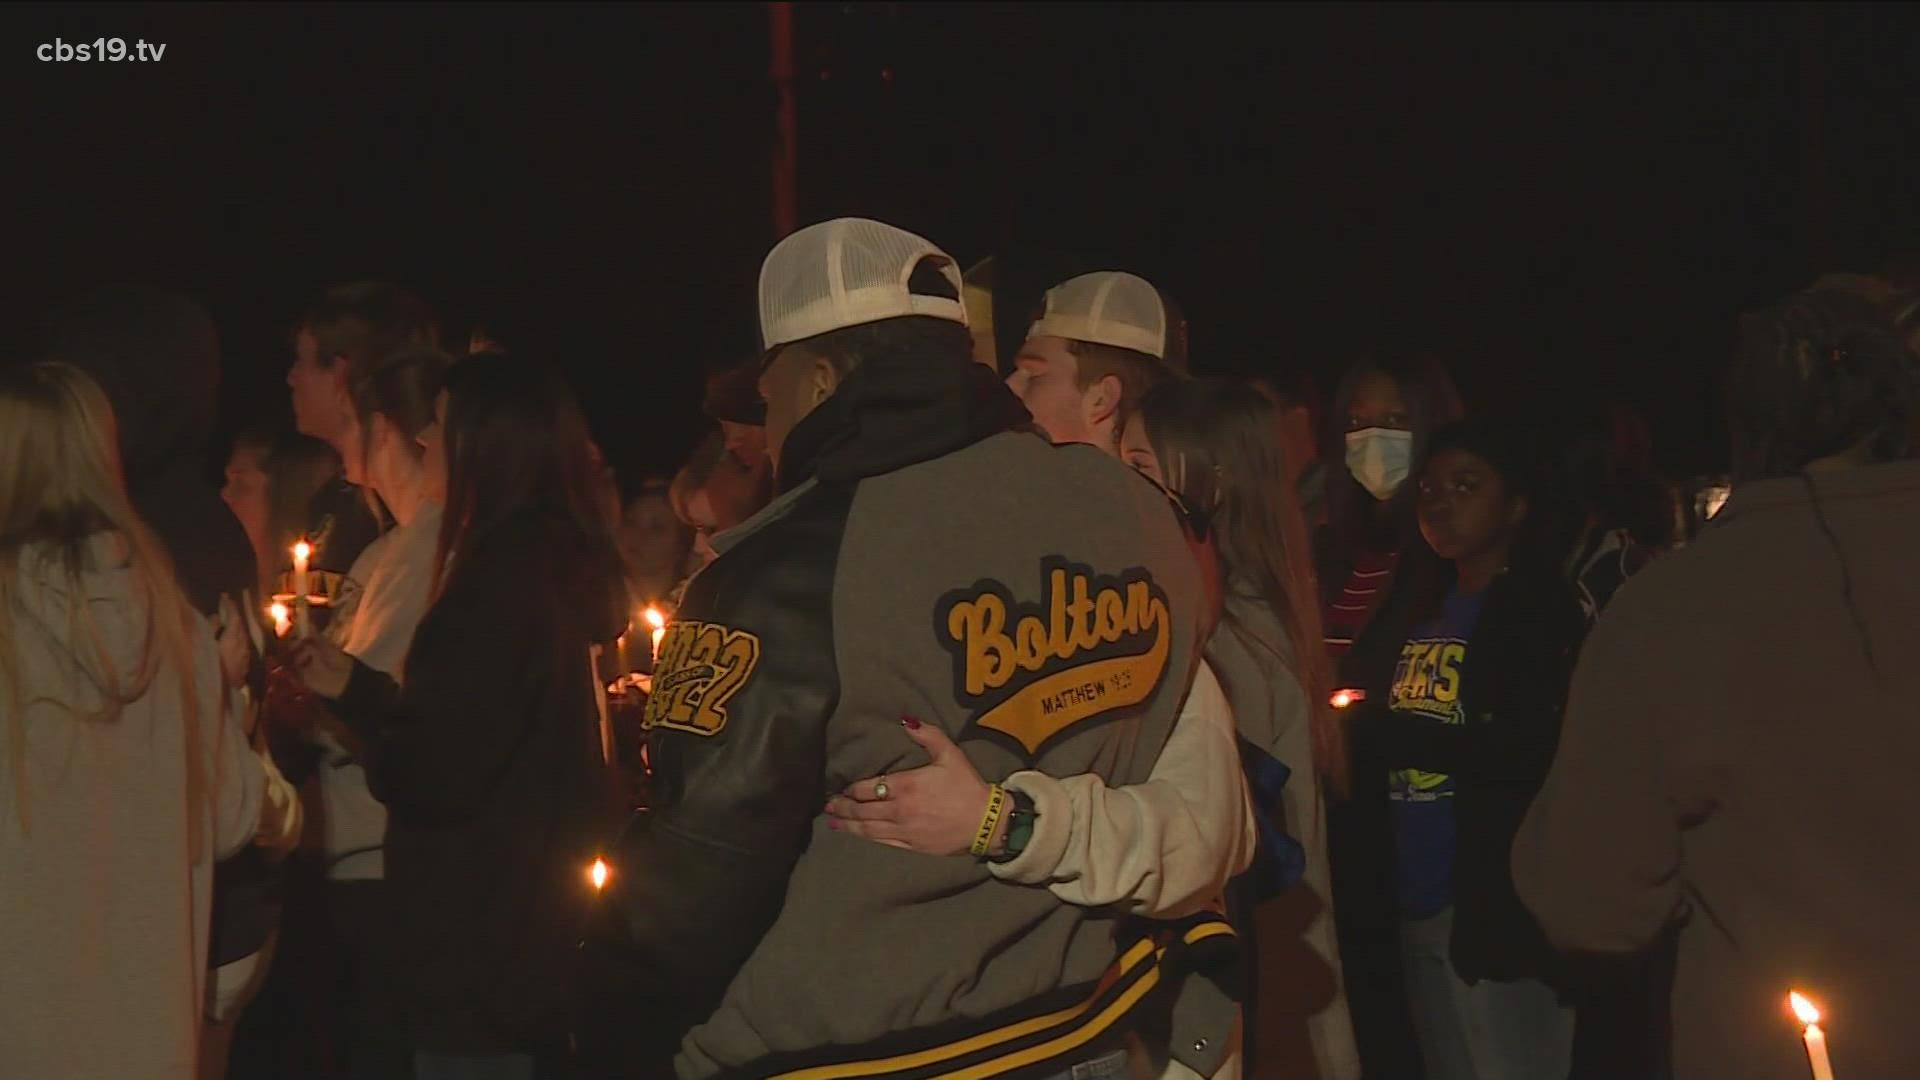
[[929, 556]]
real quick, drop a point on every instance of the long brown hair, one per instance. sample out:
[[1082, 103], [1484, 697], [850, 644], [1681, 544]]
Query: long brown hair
[[61, 487], [515, 440], [1217, 446]]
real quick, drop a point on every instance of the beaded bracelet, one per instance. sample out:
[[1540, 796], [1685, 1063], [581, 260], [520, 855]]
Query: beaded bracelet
[[989, 822]]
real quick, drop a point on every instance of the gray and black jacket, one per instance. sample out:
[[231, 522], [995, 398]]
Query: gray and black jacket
[[932, 557]]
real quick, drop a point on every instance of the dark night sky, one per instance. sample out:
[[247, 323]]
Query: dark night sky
[[1554, 197]]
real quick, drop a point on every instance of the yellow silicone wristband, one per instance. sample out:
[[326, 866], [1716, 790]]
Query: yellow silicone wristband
[[990, 821]]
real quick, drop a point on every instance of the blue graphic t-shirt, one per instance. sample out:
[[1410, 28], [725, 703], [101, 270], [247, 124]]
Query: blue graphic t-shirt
[[1426, 685]]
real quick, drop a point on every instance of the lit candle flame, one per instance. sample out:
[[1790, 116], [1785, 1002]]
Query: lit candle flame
[[1804, 1009], [303, 551], [597, 874], [1343, 698], [282, 620], [659, 623]]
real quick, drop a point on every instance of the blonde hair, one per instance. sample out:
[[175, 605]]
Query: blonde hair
[[60, 487]]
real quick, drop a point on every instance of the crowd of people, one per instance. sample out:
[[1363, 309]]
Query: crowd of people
[[1070, 713]]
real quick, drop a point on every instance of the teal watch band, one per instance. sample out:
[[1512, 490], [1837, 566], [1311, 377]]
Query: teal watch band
[[1020, 821]]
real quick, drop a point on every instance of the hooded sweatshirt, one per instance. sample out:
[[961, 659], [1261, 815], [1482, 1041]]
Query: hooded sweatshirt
[[1301, 1003], [1731, 762], [157, 357], [929, 557], [108, 879], [488, 760]]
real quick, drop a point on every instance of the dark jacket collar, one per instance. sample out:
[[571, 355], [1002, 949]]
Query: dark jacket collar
[[888, 414]]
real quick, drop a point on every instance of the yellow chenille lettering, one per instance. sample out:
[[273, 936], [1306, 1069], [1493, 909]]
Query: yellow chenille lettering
[[702, 666], [1085, 635], [1072, 617], [1139, 604], [980, 626], [1446, 684], [1031, 651], [1110, 616]]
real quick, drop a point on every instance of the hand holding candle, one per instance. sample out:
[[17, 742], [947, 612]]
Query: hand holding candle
[[302, 552], [1816, 1039]]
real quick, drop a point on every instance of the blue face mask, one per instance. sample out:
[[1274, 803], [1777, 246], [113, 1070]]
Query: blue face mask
[[1380, 458]]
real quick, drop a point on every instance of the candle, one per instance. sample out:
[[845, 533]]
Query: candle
[[302, 552], [659, 624], [281, 622], [1816, 1039], [597, 874]]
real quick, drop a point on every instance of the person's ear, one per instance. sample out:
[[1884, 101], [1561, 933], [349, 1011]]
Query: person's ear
[[822, 381], [1100, 402]]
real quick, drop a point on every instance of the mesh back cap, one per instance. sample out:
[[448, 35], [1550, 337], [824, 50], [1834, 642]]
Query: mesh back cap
[[848, 272], [1106, 307]]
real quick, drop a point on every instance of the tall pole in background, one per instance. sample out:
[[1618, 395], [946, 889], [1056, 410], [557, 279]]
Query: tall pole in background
[[786, 119], [1813, 74]]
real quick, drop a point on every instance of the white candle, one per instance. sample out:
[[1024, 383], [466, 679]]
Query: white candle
[[1816, 1039], [302, 551], [659, 624]]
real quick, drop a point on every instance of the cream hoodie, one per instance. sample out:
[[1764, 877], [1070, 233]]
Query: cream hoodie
[[1165, 848], [108, 884]]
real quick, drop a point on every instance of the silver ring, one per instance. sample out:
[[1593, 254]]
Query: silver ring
[[880, 788]]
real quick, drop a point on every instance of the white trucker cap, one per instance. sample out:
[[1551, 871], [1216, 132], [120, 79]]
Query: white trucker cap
[[1106, 307], [848, 272]]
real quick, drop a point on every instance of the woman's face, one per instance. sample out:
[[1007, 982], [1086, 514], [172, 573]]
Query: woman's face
[[1465, 508], [1136, 449], [433, 456], [650, 536], [245, 491], [1378, 403]]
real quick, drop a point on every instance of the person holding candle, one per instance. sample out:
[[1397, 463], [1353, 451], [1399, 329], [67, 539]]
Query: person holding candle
[[382, 600], [340, 337], [486, 752], [1735, 757], [271, 479], [124, 770]]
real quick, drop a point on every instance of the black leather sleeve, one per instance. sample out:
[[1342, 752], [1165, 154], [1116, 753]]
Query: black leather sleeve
[[736, 735]]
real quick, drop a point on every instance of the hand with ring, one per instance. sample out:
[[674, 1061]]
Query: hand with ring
[[934, 809]]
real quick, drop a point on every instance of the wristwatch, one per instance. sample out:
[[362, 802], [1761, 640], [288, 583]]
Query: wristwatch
[[1020, 821]]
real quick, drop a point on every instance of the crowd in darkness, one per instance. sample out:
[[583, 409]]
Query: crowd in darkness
[[1031, 698]]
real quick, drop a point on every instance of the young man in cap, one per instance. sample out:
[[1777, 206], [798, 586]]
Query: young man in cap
[[1102, 341], [866, 600]]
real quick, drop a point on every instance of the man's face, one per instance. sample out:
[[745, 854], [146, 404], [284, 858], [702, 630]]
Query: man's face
[[1046, 378], [794, 385], [320, 404]]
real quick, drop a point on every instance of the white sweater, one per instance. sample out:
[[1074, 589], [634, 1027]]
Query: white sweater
[[104, 907], [386, 597]]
